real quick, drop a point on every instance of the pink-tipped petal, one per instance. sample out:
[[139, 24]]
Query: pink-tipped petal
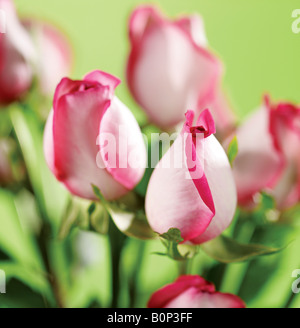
[[172, 199], [164, 296], [194, 26], [222, 113], [74, 143], [193, 292], [49, 142], [221, 183], [76, 128], [140, 20], [285, 130], [128, 166], [207, 122], [167, 71], [103, 78], [258, 164], [192, 298], [192, 187], [64, 87]]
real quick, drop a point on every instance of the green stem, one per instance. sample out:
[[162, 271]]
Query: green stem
[[183, 267], [133, 281], [217, 274], [116, 240], [51, 276]]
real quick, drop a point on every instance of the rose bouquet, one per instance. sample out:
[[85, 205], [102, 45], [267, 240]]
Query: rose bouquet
[[160, 196]]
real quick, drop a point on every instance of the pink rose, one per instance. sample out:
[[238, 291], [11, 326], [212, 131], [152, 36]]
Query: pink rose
[[76, 144], [16, 54], [170, 69], [268, 157], [193, 292], [192, 188], [54, 59]]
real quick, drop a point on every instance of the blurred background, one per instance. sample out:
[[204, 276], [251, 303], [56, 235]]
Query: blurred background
[[261, 55], [254, 39]]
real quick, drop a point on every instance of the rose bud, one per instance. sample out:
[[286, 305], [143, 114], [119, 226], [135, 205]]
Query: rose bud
[[16, 55], [78, 148], [192, 187], [54, 58], [191, 291], [268, 157], [170, 69]]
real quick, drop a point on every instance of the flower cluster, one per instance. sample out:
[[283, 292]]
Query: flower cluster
[[95, 147], [30, 49]]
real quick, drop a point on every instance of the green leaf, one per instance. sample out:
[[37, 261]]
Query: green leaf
[[170, 240], [28, 215], [173, 235], [128, 215], [50, 194], [91, 209], [227, 250], [14, 240], [21, 295], [232, 150], [37, 280], [29, 137], [17, 242], [176, 251]]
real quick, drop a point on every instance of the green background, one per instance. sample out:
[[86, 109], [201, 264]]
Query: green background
[[261, 54], [254, 39]]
